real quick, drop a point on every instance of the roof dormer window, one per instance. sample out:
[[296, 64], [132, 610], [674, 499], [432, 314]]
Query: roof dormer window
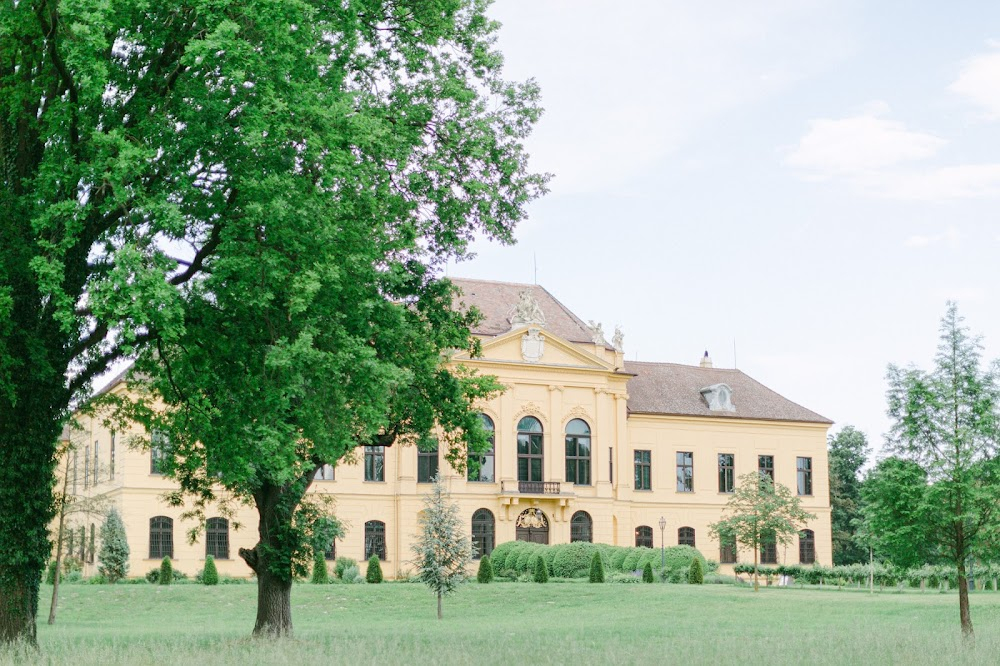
[[719, 398]]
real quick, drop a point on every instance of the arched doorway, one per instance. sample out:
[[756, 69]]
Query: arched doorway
[[533, 526]]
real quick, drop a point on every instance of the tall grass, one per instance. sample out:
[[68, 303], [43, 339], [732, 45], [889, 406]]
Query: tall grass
[[556, 623]]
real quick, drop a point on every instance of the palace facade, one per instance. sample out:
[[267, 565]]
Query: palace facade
[[587, 446]]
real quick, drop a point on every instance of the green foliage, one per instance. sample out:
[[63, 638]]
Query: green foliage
[[631, 561], [352, 574], [210, 574], [320, 574], [499, 556], [442, 549], [374, 572], [341, 565], [647, 573], [759, 510], [573, 560], [485, 573], [617, 559], [696, 574], [525, 558], [540, 571], [50, 573], [680, 558], [896, 510], [848, 453], [114, 555], [166, 576], [596, 568]]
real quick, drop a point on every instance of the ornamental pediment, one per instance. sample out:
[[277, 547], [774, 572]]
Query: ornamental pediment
[[535, 345]]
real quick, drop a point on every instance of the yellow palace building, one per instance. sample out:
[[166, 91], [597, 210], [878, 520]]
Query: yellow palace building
[[587, 446]]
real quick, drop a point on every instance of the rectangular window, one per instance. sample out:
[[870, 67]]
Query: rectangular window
[[76, 463], [157, 452], [485, 473], [324, 473], [86, 468], [727, 472], [643, 467], [727, 550], [804, 468], [765, 465], [97, 457], [111, 468], [374, 463], [768, 549], [685, 472], [427, 464]]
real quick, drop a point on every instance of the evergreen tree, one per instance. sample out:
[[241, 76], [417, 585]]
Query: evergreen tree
[[848, 452], [166, 572], [374, 573], [596, 568], [485, 573], [113, 558], [442, 549], [540, 571], [696, 575], [947, 421], [210, 575], [647, 573], [320, 574]]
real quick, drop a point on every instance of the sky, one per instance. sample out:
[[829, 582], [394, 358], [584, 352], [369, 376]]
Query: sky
[[796, 186]]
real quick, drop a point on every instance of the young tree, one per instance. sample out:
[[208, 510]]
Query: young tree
[[896, 513], [321, 323], [758, 511], [443, 550], [947, 421], [848, 452], [114, 553]]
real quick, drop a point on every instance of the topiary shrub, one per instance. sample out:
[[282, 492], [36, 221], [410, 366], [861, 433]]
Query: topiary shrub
[[352, 574], [631, 561], [510, 562], [617, 559], [499, 554], [374, 573], [650, 557], [540, 570], [596, 568], [341, 565], [320, 574], [166, 576], [647, 573], [210, 576], [549, 555], [485, 573], [573, 561], [696, 575], [526, 558]]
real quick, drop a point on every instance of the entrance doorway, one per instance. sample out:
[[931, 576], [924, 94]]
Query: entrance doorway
[[532, 526]]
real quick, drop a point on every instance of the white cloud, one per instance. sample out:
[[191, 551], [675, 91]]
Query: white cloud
[[951, 236], [876, 155], [859, 144], [979, 81]]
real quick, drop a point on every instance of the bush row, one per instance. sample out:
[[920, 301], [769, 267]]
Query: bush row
[[574, 560], [882, 574]]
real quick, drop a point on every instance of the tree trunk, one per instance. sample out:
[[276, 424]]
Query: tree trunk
[[59, 543], [439, 606], [963, 602], [271, 558], [756, 556]]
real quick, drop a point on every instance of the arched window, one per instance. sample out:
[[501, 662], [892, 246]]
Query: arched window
[[483, 533], [578, 452], [375, 539], [581, 527], [93, 540], [768, 548], [807, 547], [161, 537], [331, 552], [529, 449], [486, 459], [217, 538], [644, 536], [685, 536]]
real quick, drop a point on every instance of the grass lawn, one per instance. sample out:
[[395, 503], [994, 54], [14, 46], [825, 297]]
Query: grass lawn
[[506, 623]]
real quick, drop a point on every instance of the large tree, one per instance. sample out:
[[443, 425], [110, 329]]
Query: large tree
[[848, 452], [896, 513], [137, 139], [758, 512], [321, 323], [946, 422]]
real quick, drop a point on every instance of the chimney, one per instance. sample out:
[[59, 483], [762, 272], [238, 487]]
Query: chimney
[[706, 362]]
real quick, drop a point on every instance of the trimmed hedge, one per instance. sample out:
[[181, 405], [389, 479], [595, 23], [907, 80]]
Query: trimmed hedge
[[573, 560]]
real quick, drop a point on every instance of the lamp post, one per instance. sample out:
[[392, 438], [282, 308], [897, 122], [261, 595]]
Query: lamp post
[[663, 526]]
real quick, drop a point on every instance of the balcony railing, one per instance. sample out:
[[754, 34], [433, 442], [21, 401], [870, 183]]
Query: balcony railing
[[533, 487]]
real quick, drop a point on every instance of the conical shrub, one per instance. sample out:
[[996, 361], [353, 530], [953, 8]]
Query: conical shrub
[[485, 573], [596, 568], [541, 571], [374, 573], [647, 573], [210, 576], [696, 575], [166, 572]]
